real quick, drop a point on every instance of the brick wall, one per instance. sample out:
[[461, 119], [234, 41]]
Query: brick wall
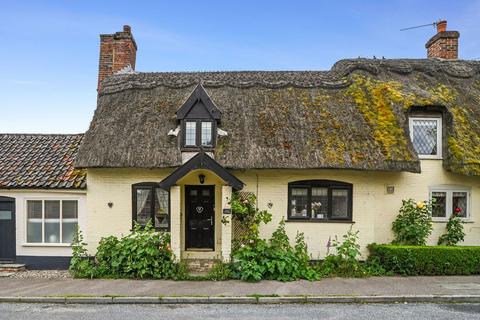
[[445, 48], [117, 51], [444, 44]]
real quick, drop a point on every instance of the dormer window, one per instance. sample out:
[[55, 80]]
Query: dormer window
[[199, 118], [198, 133], [426, 136], [206, 134], [190, 133]]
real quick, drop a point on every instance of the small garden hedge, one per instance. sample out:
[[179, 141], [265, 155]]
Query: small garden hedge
[[426, 260]]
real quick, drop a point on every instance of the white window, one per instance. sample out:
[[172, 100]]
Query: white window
[[449, 200], [426, 136], [51, 221]]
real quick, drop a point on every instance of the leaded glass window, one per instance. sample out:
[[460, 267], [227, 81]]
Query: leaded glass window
[[190, 133], [449, 200], [151, 204], [426, 136]]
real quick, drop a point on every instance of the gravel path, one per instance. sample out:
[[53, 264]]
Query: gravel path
[[42, 274]]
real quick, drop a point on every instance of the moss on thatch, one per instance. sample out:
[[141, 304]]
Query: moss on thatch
[[353, 116]]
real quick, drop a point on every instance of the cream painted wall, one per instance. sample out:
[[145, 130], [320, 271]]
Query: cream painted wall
[[21, 196], [373, 209], [113, 185]]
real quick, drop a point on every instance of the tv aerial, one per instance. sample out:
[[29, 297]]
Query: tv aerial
[[433, 24]]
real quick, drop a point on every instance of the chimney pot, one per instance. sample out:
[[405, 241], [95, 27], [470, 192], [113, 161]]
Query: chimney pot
[[441, 26], [127, 28]]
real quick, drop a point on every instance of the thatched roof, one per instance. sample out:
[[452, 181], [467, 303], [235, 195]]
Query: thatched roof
[[42, 161], [353, 116]]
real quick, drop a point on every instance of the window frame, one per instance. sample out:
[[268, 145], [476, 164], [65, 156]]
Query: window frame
[[331, 185], [185, 134], [198, 134], [449, 190], [438, 120], [43, 199], [151, 186]]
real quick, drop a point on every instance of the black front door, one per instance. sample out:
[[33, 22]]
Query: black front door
[[7, 229], [200, 214]]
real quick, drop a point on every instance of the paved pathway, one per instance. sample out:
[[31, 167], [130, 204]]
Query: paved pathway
[[454, 285]]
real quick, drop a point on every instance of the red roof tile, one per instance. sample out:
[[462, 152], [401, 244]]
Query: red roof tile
[[40, 161]]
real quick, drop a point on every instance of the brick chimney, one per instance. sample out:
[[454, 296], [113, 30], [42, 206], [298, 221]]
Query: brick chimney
[[444, 44], [117, 51]]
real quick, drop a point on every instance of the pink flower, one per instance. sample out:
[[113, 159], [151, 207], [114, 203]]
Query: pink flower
[[458, 210]]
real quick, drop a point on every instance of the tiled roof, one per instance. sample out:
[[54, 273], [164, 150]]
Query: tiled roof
[[40, 161]]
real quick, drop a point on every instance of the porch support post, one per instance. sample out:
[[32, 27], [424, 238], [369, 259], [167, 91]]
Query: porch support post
[[226, 228], [175, 221]]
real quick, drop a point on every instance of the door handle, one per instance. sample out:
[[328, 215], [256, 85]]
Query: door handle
[[211, 221]]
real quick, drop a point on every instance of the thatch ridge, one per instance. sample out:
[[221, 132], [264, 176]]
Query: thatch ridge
[[351, 117]]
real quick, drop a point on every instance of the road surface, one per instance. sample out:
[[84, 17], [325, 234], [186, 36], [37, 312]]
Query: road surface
[[204, 312]]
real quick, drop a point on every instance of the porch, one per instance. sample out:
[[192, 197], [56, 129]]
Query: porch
[[200, 215]]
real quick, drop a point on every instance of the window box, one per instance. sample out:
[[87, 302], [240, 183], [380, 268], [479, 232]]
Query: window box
[[320, 201]]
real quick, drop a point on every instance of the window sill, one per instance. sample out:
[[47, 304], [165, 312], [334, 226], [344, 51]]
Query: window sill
[[46, 245], [429, 158], [446, 220], [320, 221], [197, 148]]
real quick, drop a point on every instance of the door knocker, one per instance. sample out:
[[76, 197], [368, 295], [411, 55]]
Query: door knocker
[[199, 209]]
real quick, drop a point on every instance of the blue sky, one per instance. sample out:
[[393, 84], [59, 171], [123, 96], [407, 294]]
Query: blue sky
[[49, 51]]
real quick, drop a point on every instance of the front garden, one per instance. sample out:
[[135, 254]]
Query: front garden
[[146, 254]]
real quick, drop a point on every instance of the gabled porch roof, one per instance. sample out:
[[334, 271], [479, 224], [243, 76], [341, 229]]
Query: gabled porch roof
[[201, 161]]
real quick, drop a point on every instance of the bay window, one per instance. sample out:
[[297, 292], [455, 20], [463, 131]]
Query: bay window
[[319, 200], [51, 221]]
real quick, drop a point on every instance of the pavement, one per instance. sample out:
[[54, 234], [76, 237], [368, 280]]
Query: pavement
[[374, 289]]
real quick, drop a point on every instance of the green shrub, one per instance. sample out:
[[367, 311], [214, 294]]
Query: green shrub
[[345, 263], [220, 272], [246, 213], [427, 260], [81, 266], [141, 254], [454, 231], [275, 259], [414, 223]]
